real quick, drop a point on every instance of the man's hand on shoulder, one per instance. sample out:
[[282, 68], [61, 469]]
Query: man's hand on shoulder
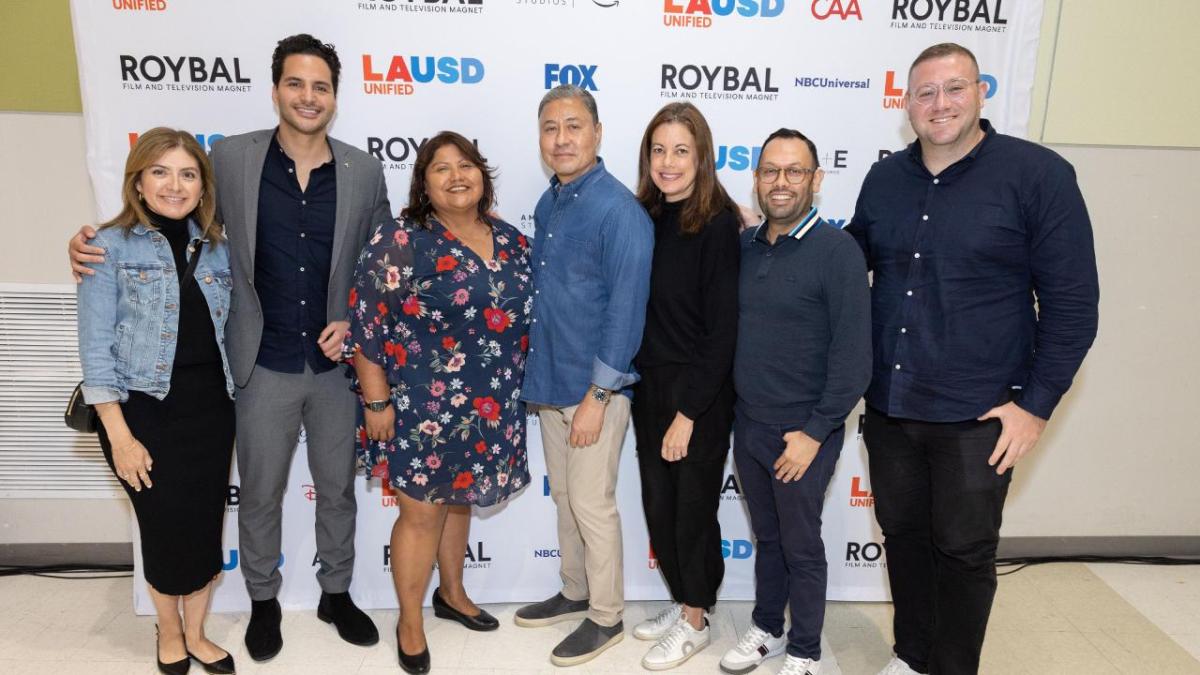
[[1020, 431], [80, 253]]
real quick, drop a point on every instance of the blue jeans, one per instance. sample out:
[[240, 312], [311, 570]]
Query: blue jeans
[[789, 563]]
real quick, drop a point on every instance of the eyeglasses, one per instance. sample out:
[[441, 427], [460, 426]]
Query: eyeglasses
[[795, 175], [955, 90]]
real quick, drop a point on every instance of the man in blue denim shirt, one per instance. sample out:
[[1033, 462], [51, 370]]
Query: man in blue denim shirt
[[591, 259]]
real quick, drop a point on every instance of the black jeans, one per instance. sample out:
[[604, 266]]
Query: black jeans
[[789, 563], [939, 505]]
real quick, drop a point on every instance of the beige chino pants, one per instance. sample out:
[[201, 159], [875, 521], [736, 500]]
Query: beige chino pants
[[583, 484]]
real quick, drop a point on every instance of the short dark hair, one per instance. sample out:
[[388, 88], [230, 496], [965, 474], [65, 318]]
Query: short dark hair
[[942, 50], [571, 91], [304, 43], [419, 207], [784, 132]]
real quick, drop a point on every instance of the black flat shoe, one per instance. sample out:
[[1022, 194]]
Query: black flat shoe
[[219, 667], [176, 668], [417, 663], [481, 622], [263, 638]]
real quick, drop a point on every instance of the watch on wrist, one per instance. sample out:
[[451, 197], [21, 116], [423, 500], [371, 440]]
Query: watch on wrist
[[378, 406], [600, 395]]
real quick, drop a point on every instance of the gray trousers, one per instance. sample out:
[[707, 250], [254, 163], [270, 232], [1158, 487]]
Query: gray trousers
[[270, 409]]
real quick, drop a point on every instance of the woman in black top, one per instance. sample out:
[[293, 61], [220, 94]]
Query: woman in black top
[[683, 406]]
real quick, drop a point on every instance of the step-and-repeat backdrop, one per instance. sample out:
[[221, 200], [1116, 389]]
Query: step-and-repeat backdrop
[[835, 69]]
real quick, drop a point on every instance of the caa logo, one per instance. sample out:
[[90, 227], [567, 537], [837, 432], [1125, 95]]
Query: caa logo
[[230, 561], [893, 96], [205, 140], [738, 157], [581, 76], [736, 549], [699, 13], [404, 72], [864, 555], [182, 73], [823, 9], [860, 496], [983, 15]]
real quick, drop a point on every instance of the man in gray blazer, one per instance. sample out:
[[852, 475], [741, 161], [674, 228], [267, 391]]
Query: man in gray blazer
[[297, 207]]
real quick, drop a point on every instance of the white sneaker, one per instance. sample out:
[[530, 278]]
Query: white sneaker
[[754, 647], [658, 625], [794, 665], [897, 667], [676, 646]]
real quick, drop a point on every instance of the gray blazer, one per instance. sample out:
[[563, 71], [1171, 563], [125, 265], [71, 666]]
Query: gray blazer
[[362, 203]]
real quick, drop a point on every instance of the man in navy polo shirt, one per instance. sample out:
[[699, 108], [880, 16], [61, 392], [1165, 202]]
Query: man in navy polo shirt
[[802, 362], [985, 304]]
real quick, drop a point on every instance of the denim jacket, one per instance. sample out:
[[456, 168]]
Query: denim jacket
[[129, 312]]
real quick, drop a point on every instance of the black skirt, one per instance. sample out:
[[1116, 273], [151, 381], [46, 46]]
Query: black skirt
[[189, 436]]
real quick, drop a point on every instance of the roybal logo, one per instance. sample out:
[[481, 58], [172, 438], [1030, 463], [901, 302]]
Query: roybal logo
[[396, 75], [156, 72], [398, 152], [702, 13], [718, 82], [424, 6], [957, 15]]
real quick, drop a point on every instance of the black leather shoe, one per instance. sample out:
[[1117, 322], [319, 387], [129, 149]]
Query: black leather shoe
[[481, 621], [176, 668], [263, 639], [353, 625], [219, 667], [417, 663]]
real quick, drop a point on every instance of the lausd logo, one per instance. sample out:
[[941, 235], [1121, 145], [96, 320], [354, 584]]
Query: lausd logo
[[860, 496], [700, 13], [398, 152], [823, 9], [581, 76], [182, 73], [868, 555], [403, 73], [205, 140], [736, 549], [738, 157], [230, 561], [140, 5], [730, 83], [976, 15], [427, 6], [893, 96]]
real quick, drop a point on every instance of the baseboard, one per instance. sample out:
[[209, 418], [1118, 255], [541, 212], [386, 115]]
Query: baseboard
[[120, 553], [1020, 547]]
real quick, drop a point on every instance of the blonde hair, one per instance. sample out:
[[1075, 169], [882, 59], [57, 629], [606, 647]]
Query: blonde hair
[[150, 147]]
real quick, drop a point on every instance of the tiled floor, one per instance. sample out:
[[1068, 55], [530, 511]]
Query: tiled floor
[[1047, 619]]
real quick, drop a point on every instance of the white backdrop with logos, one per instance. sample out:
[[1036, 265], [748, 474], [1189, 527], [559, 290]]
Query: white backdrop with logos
[[834, 69]]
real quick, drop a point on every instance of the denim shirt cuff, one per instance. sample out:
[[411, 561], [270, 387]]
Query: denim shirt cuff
[[93, 395], [607, 377]]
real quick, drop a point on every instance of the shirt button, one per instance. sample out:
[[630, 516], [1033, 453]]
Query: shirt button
[[537, 292], [550, 236], [291, 171], [916, 255], [303, 202], [303, 333], [903, 330], [302, 235], [897, 366], [908, 292], [303, 302], [925, 217], [935, 181], [543, 263], [302, 269]]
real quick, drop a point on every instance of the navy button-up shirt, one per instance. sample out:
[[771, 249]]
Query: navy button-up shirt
[[985, 285], [591, 266], [293, 253]]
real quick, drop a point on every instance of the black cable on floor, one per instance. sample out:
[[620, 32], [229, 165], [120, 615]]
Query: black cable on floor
[[1021, 562], [69, 571]]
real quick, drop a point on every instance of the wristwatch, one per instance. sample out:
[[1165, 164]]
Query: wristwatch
[[600, 395], [378, 406]]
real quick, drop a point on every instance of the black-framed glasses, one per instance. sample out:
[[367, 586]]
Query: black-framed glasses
[[955, 90], [794, 174]]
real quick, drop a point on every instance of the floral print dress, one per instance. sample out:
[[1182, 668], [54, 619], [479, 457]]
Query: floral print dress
[[451, 332]]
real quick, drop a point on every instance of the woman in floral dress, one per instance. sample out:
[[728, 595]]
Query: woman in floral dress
[[439, 321]]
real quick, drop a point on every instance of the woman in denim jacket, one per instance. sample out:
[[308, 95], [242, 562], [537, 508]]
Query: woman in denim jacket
[[152, 347]]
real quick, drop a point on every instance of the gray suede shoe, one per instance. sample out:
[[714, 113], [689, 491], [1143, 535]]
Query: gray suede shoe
[[553, 610], [586, 643]]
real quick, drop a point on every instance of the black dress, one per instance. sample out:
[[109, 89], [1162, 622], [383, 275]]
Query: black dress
[[189, 435], [685, 362]]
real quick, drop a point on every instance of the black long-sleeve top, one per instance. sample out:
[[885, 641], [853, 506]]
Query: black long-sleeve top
[[197, 339], [691, 317]]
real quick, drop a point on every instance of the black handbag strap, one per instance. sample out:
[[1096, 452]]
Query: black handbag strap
[[195, 247]]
